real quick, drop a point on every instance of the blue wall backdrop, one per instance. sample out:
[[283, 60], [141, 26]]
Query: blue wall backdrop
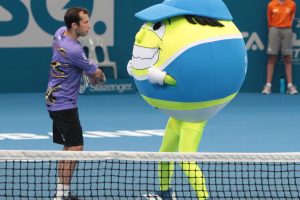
[[26, 29]]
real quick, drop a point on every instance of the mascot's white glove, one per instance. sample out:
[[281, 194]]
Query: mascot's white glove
[[129, 68], [155, 75]]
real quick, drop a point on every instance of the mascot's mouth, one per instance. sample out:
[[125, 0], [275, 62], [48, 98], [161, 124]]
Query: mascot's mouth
[[143, 57]]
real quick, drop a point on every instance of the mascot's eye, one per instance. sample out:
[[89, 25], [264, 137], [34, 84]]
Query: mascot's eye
[[156, 26], [159, 29]]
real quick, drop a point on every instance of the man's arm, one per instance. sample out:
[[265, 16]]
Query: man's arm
[[294, 12], [79, 59], [269, 15]]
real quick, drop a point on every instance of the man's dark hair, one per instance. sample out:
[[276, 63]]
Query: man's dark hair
[[203, 21], [72, 16]]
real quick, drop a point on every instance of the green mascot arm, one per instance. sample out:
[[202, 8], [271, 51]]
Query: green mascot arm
[[169, 80]]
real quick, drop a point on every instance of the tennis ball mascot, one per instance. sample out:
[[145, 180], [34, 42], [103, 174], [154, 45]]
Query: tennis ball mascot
[[189, 61]]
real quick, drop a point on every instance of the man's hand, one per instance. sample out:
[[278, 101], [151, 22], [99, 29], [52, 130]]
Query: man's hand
[[97, 77], [94, 82]]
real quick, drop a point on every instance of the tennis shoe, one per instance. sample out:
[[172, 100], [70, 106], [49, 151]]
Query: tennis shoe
[[292, 90], [161, 195], [266, 90], [69, 197]]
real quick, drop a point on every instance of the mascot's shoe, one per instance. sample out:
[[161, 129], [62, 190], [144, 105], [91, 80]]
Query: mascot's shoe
[[267, 89], [161, 195]]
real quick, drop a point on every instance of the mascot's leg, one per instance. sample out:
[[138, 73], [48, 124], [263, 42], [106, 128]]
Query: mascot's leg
[[169, 144], [190, 136]]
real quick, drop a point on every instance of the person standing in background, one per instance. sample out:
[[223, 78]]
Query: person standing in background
[[68, 64], [280, 15]]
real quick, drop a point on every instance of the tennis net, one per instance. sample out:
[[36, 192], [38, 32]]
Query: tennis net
[[138, 175]]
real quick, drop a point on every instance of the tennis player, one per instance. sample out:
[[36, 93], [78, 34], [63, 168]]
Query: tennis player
[[68, 64]]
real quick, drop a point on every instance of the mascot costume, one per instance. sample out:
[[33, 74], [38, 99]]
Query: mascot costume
[[189, 61]]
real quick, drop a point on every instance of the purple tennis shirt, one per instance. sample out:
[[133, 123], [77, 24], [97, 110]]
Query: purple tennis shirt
[[67, 65]]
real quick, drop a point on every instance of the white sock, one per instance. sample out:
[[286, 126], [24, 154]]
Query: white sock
[[62, 190], [290, 85], [269, 84]]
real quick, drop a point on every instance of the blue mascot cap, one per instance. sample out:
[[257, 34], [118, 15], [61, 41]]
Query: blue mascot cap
[[215, 9]]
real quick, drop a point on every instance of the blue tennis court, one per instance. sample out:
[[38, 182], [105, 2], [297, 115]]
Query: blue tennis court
[[250, 123]]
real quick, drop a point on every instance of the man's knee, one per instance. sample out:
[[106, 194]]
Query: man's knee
[[287, 59], [73, 148]]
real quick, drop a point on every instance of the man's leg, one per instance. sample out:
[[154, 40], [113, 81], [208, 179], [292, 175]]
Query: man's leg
[[288, 68], [291, 89], [66, 168], [270, 70], [287, 51], [68, 132], [65, 173], [270, 67], [272, 50]]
